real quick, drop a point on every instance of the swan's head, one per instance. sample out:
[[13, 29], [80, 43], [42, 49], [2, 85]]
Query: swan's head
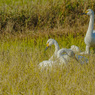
[[75, 48], [49, 43], [89, 12]]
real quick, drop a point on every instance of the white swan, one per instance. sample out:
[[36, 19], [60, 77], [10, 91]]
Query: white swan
[[90, 35]]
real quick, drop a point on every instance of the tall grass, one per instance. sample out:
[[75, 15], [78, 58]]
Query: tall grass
[[20, 74]]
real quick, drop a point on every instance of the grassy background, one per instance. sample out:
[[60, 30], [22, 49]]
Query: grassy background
[[25, 26], [20, 15]]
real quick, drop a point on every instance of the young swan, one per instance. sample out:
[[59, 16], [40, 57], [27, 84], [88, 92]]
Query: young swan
[[90, 35]]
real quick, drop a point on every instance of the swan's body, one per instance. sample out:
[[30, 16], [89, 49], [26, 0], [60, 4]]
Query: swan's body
[[90, 35]]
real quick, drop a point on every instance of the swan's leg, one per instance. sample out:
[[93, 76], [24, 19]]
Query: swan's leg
[[87, 50]]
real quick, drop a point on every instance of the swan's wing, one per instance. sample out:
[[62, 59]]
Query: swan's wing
[[93, 31], [82, 59]]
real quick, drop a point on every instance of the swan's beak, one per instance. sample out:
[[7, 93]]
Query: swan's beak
[[84, 14], [47, 47]]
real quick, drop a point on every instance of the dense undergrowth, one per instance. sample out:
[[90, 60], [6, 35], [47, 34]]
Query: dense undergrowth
[[20, 15]]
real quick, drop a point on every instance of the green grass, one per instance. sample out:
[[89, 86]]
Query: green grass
[[19, 73]]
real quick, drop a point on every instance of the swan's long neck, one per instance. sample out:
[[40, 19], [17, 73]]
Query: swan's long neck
[[61, 51], [91, 25], [56, 47]]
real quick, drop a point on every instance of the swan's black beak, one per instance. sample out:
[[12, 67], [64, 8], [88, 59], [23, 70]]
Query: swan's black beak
[[46, 48], [84, 14]]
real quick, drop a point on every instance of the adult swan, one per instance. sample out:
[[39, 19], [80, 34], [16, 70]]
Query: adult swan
[[90, 35]]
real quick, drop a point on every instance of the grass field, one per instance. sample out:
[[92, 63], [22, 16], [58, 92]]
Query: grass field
[[25, 27], [20, 75]]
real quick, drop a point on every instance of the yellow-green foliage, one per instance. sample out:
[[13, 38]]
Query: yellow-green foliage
[[20, 75]]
